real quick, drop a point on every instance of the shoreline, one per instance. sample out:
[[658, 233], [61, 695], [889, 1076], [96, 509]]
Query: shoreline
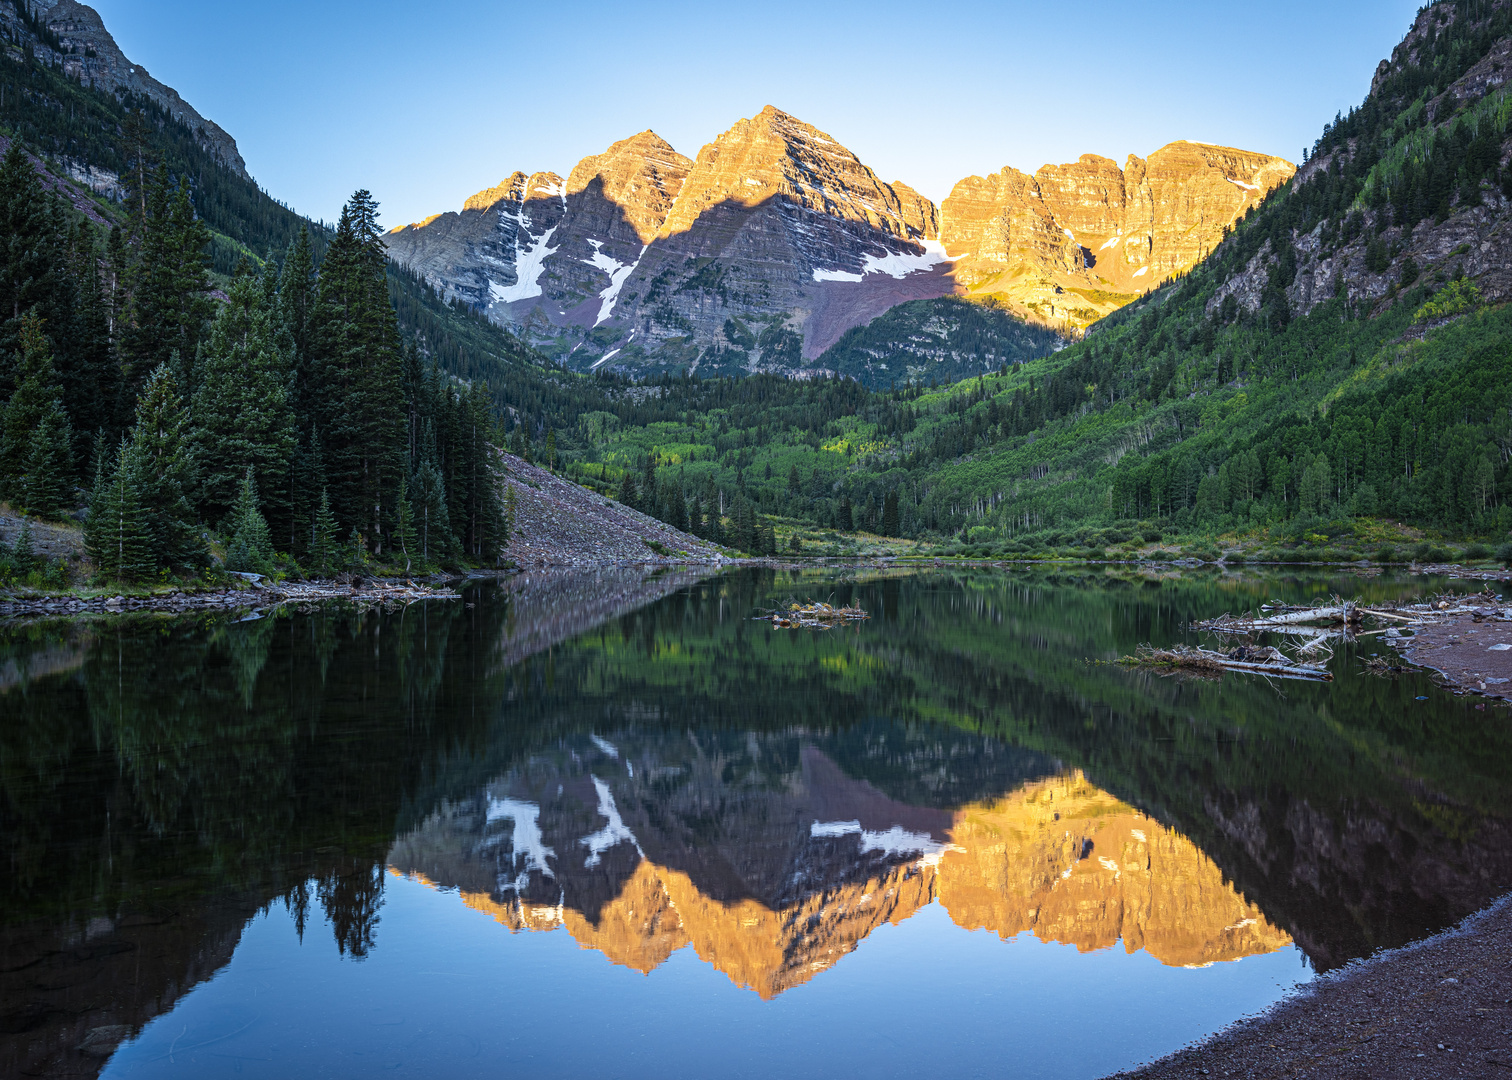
[[258, 596], [1436, 1008]]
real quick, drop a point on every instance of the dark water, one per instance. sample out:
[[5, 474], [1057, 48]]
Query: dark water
[[611, 827]]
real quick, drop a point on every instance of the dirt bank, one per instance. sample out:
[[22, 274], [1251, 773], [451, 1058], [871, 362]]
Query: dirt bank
[[1439, 1009], [1470, 652]]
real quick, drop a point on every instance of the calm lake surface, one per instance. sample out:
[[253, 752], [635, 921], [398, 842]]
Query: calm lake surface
[[609, 826]]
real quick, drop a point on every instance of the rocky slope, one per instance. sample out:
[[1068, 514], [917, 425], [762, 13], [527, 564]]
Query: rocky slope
[[560, 524], [1466, 232], [1072, 243], [89, 54], [762, 252]]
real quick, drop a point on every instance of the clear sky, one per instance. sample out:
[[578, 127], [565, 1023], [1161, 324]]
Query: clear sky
[[427, 101]]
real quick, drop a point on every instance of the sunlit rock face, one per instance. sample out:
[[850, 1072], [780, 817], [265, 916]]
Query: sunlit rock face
[[1070, 863], [763, 251], [773, 863], [754, 256], [1074, 242]]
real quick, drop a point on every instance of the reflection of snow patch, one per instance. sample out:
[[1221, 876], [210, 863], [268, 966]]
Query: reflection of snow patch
[[753, 183], [893, 843], [1139, 835], [612, 834], [1109, 864], [528, 267], [605, 745], [1241, 924], [1069, 233], [526, 841], [894, 264]]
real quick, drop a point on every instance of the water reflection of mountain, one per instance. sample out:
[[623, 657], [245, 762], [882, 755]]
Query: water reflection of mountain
[[162, 781], [772, 862]]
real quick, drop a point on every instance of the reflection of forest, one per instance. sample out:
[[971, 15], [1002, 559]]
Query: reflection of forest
[[162, 780], [772, 882]]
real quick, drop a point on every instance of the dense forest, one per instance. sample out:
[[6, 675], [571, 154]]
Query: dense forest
[[286, 415]]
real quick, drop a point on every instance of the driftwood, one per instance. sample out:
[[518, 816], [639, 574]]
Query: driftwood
[[1251, 660], [813, 616]]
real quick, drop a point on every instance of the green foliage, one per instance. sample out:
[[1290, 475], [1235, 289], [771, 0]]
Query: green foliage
[[250, 547], [1455, 298], [160, 443], [243, 419], [945, 339], [324, 547], [116, 533]]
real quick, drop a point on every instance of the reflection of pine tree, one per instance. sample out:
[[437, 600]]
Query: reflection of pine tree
[[351, 898]]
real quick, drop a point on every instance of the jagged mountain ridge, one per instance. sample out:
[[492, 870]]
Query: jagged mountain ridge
[[89, 54], [1075, 242], [762, 252]]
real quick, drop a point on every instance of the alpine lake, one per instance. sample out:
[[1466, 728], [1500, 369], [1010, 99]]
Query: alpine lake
[[612, 826]]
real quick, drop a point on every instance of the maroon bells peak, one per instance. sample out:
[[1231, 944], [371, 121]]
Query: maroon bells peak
[[776, 239]]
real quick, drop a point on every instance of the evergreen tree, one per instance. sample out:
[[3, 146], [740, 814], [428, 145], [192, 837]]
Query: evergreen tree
[[432, 527], [323, 545], [356, 372], [250, 548], [24, 554], [160, 444], [677, 509], [890, 523], [242, 415], [844, 519], [36, 397], [628, 495], [31, 278], [47, 485], [404, 525], [116, 533]]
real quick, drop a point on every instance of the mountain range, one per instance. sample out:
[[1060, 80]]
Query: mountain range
[[763, 251]]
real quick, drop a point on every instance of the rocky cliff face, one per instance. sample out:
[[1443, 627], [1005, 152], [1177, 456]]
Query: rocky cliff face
[[91, 55], [1072, 243], [755, 256], [773, 863], [762, 252]]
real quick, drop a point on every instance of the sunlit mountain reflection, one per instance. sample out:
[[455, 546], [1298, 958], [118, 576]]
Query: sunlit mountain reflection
[[772, 862]]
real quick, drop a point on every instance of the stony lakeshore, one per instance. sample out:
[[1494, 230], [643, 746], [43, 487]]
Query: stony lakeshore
[[1441, 1008]]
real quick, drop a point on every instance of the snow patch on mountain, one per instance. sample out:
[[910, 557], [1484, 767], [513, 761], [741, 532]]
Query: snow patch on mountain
[[528, 266]]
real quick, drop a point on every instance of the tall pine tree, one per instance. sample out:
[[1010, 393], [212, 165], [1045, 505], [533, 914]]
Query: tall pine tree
[[242, 415], [356, 374]]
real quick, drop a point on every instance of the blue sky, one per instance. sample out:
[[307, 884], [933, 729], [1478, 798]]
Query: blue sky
[[426, 102]]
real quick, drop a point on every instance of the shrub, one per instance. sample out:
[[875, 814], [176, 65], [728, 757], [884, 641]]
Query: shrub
[[1153, 536], [1385, 554], [1476, 552], [1504, 554]]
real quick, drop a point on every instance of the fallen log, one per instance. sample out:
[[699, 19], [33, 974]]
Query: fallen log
[[1266, 661]]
